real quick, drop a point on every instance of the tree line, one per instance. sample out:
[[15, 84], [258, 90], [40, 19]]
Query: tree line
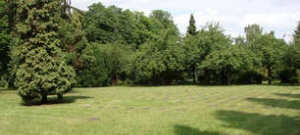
[[48, 47]]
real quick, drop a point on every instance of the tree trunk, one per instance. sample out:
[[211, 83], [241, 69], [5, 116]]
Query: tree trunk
[[270, 76], [115, 79], [229, 79], [228, 74], [60, 96], [44, 99], [206, 79], [194, 75]]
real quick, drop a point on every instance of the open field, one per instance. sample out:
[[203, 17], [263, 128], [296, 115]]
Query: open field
[[173, 110]]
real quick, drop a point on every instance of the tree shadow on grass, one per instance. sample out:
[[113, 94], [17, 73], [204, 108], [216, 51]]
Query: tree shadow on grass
[[53, 100], [186, 130], [288, 95], [282, 103], [261, 124]]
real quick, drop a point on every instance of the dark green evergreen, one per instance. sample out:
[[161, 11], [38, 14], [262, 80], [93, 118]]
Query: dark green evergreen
[[41, 68], [192, 29]]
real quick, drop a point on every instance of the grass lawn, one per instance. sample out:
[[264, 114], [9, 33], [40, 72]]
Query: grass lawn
[[173, 110]]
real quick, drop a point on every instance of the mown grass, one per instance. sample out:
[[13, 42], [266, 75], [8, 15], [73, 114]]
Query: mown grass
[[173, 110]]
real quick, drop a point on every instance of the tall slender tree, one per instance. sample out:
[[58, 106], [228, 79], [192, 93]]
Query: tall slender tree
[[192, 29]]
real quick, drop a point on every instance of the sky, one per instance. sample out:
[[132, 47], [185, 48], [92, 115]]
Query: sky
[[282, 16]]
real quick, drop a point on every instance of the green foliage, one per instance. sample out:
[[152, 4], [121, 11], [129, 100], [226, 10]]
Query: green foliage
[[292, 57], [148, 28], [227, 62], [111, 24], [73, 39], [159, 62], [291, 61], [267, 47], [42, 75], [294, 50], [102, 64], [107, 25], [192, 50], [41, 69], [253, 33], [212, 38], [71, 34], [209, 39], [271, 50], [165, 18]]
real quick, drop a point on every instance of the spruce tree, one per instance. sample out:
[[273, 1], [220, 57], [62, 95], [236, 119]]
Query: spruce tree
[[192, 30], [41, 69]]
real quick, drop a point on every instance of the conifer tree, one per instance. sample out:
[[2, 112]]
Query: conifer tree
[[192, 29], [41, 69]]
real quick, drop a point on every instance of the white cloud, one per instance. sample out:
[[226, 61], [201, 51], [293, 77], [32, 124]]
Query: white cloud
[[278, 15]]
